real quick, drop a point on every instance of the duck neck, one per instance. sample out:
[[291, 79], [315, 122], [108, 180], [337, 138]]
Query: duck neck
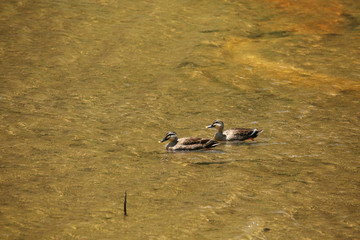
[[219, 136], [171, 144], [220, 129]]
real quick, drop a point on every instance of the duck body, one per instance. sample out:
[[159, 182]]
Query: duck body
[[187, 143], [233, 134]]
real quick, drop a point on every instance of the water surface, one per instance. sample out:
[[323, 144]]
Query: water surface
[[89, 87]]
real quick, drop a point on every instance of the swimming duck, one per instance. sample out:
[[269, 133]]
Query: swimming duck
[[233, 134], [187, 143]]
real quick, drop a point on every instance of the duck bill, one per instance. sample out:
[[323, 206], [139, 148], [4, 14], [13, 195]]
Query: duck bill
[[210, 126], [163, 140]]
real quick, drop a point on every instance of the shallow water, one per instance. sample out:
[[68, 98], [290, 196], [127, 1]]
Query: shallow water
[[89, 87]]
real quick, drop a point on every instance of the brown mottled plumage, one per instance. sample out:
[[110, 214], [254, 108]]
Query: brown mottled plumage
[[187, 143], [233, 134]]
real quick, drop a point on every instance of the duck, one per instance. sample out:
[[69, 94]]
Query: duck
[[233, 134], [187, 143]]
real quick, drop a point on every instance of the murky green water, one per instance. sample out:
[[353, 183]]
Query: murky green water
[[89, 87]]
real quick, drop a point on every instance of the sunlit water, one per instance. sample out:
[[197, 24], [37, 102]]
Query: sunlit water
[[89, 87]]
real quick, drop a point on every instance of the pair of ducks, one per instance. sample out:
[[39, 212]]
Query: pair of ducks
[[193, 143]]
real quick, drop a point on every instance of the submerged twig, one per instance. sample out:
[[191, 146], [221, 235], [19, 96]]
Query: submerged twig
[[125, 211]]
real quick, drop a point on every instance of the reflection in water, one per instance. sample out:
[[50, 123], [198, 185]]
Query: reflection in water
[[89, 87]]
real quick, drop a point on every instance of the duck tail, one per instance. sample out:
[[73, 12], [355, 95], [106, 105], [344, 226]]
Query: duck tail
[[256, 132], [260, 131]]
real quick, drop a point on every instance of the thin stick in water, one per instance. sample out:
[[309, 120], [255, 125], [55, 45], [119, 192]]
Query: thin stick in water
[[125, 211]]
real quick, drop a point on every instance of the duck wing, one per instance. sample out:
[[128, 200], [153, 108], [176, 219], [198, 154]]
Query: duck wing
[[241, 134], [193, 143]]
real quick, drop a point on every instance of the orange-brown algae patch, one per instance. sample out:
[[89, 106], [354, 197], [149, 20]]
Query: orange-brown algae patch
[[312, 16], [248, 52]]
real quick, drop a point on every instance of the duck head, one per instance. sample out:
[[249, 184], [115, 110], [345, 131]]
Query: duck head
[[216, 124], [171, 136]]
